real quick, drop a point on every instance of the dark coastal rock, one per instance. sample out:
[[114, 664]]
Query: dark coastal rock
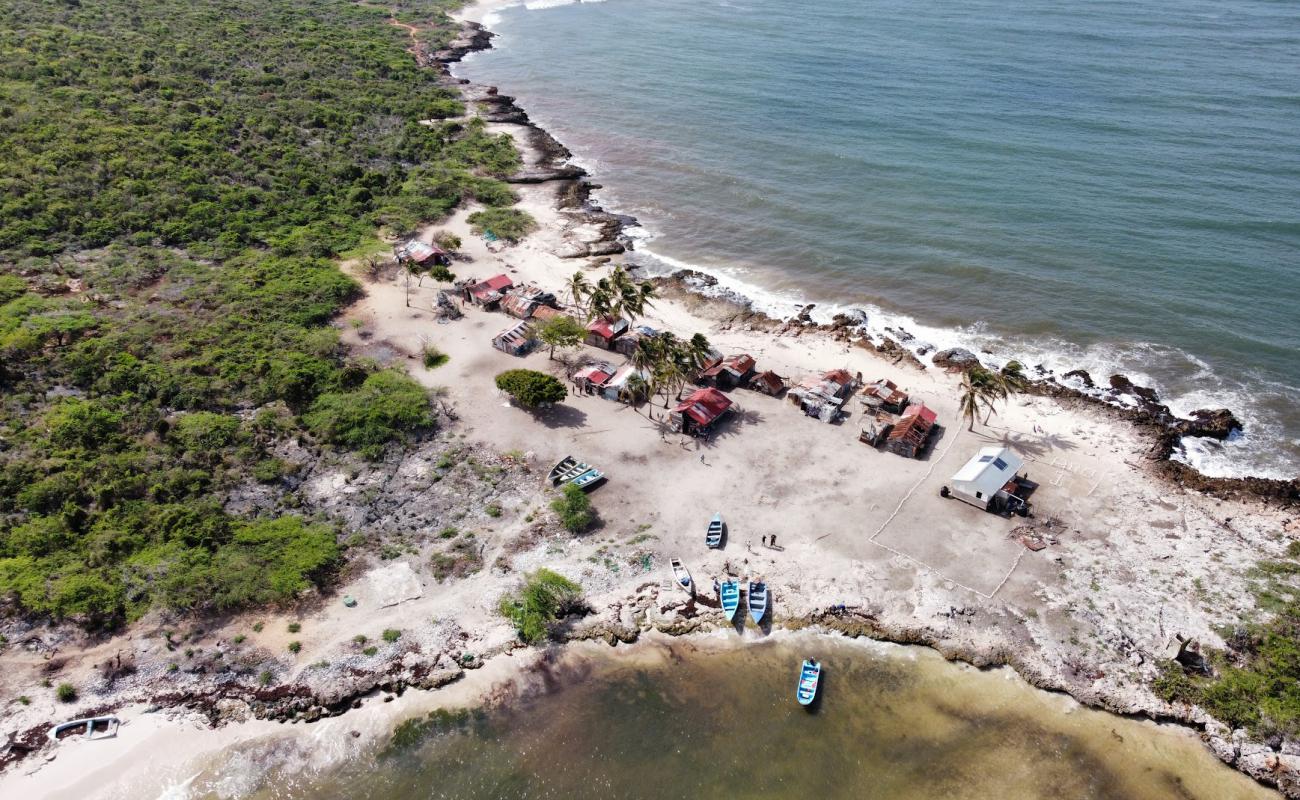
[[472, 38], [1219, 423], [955, 358], [566, 172], [1121, 385], [1081, 374], [804, 314]]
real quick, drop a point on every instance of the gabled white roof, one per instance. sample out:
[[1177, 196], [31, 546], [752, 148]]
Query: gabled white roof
[[989, 470]]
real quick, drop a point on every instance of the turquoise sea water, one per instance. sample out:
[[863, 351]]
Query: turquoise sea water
[[1106, 185]]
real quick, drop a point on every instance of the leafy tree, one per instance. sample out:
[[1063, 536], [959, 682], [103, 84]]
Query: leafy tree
[[561, 331], [530, 388]]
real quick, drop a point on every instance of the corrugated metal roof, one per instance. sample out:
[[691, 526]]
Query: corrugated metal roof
[[704, 405]]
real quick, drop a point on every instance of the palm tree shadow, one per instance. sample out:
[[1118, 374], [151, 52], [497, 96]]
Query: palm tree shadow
[[1033, 445]]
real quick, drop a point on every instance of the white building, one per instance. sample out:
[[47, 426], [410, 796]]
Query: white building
[[990, 475]]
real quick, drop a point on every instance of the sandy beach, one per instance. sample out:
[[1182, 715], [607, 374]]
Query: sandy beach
[[1131, 560]]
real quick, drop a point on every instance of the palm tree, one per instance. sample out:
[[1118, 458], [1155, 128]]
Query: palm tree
[[697, 352], [631, 299], [578, 289], [970, 401]]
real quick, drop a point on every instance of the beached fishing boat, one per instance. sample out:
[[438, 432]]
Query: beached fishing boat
[[713, 538], [681, 576], [578, 473], [757, 596], [730, 596], [809, 676]]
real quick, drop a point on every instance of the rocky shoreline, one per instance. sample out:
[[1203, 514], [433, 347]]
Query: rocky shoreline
[[1144, 411], [340, 689]]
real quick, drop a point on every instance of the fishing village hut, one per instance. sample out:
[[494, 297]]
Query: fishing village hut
[[628, 342], [908, 436], [768, 382], [593, 377], [627, 385], [517, 340], [700, 411], [545, 313], [518, 306], [884, 395], [414, 251], [824, 397], [489, 293], [989, 481], [602, 332], [729, 372]]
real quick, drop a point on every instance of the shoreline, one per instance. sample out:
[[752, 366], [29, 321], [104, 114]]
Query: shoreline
[[898, 330], [950, 635], [167, 754]]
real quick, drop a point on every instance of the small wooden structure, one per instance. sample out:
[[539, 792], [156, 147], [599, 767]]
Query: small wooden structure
[[700, 411], [768, 382], [729, 372], [517, 340], [414, 251], [604, 331], [884, 395], [489, 293]]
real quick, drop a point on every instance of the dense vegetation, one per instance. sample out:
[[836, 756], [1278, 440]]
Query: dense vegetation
[[545, 598], [175, 180], [1256, 684]]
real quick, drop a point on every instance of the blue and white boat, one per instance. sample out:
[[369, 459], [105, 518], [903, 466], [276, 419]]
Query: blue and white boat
[[757, 596], [713, 538], [729, 593], [809, 676]]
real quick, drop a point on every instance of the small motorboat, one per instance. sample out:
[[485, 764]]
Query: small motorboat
[[809, 676], [578, 473], [681, 576], [729, 593], [716, 529], [757, 601]]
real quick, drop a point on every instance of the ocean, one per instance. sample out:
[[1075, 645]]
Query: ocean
[[674, 721], [1112, 186]]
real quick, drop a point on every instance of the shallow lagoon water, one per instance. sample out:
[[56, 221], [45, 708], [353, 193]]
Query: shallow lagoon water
[[691, 719]]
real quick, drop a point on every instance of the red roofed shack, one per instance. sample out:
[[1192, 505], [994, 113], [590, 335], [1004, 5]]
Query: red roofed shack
[[698, 413], [602, 332], [488, 293], [418, 252], [909, 435]]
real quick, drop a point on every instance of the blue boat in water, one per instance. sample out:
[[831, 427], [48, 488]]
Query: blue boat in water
[[809, 676], [729, 593]]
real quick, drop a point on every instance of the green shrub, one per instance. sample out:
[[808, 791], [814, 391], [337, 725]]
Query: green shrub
[[295, 647], [391, 635], [530, 388], [66, 693], [434, 358], [507, 223], [370, 651], [545, 597], [264, 678], [493, 510], [573, 507], [294, 627]]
